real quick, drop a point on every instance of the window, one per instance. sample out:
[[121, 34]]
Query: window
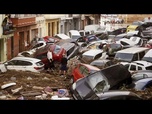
[[81, 69], [57, 49], [22, 63], [100, 86], [149, 68], [133, 67], [149, 84], [13, 62], [98, 56], [138, 76], [42, 56], [135, 57], [139, 68], [26, 63], [38, 45], [70, 51], [86, 72], [141, 55]]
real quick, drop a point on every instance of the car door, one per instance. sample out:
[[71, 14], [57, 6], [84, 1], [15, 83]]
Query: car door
[[28, 66], [78, 72], [10, 64], [132, 67], [20, 65]]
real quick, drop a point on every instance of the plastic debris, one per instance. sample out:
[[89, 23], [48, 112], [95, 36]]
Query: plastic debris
[[63, 93], [7, 85]]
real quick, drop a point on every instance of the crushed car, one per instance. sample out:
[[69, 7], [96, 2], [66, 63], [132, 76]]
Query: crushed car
[[110, 78]]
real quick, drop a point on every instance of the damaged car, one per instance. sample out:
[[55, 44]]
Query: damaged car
[[110, 78]]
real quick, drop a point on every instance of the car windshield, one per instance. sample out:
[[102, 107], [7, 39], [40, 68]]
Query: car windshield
[[91, 38], [75, 37], [115, 46], [57, 49], [88, 57], [97, 82], [147, 59], [124, 57], [84, 89], [139, 86], [149, 68]]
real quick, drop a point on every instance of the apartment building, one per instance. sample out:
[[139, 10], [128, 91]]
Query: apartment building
[[62, 23], [129, 18], [6, 35], [16, 36]]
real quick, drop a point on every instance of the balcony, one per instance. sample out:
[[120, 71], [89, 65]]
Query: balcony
[[8, 29], [21, 22]]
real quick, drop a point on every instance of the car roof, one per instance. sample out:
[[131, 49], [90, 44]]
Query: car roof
[[67, 45], [62, 36], [43, 49], [133, 50], [114, 93], [26, 59], [98, 41], [74, 32], [127, 40], [143, 80], [93, 52], [101, 60], [90, 66]]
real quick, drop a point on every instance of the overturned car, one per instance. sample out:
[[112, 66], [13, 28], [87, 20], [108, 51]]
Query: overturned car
[[110, 78]]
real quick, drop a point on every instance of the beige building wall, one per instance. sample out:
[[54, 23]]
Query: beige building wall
[[3, 42], [129, 18]]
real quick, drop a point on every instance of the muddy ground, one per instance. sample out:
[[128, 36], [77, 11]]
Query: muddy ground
[[34, 84]]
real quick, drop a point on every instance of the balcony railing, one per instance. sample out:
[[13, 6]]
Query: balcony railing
[[8, 29], [20, 22]]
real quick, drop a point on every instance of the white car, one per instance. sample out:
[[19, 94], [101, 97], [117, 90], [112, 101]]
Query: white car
[[91, 55], [38, 45], [25, 64], [137, 65], [2, 68], [74, 34], [33, 49], [26, 53], [62, 36]]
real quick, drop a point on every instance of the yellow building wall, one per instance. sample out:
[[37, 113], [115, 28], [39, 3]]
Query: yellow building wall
[[55, 21], [129, 18]]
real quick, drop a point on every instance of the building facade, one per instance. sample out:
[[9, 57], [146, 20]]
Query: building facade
[[6, 37], [17, 30]]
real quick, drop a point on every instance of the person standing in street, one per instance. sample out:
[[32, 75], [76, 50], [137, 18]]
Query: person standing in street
[[63, 68], [50, 60]]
